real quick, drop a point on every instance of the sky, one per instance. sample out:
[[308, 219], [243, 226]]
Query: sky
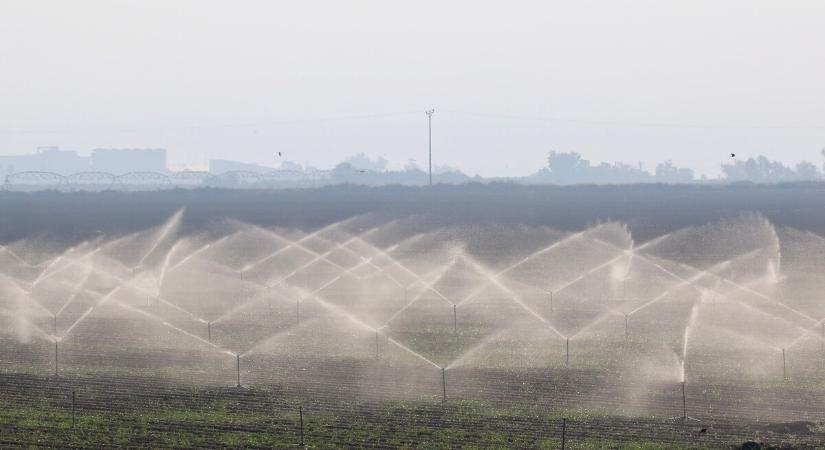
[[615, 80]]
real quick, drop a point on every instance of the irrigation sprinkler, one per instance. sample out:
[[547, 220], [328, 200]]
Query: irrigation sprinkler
[[298, 311], [301, 418], [551, 302], [784, 369], [73, 407], [626, 335], [563, 431], [443, 385], [238, 366], [567, 351], [455, 319], [685, 416], [209, 331], [376, 344], [56, 367]]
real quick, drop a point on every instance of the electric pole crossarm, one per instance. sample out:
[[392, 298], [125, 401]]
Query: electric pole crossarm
[[430, 113]]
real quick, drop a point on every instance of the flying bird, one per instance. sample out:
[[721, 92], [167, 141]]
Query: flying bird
[[733, 155], [279, 154]]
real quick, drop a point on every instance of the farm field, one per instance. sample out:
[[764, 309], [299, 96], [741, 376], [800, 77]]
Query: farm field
[[398, 330]]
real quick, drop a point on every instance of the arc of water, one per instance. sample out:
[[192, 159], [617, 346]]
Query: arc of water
[[173, 327], [395, 262], [14, 255], [88, 255], [41, 333], [513, 296], [105, 298], [320, 257], [127, 282], [601, 318], [439, 277], [270, 338], [476, 348], [686, 338], [805, 332], [298, 245], [76, 289], [31, 300], [165, 265], [258, 298], [360, 323], [289, 244], [202, 249], [298, 242], [512, 267], [167, 228], [54, 261]]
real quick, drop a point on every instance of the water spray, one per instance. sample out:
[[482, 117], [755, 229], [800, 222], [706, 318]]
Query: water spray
[[784, 369], [298, 311], [685, 416], [376, 344], [551, 302], [54, 324], [443, 385], [209, 331], [567, 351]]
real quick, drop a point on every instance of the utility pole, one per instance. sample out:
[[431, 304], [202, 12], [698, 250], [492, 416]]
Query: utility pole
[[430, 113]]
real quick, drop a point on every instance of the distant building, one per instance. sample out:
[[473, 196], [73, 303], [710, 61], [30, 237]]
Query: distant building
[[219, 166], [123, 160], [45, 159]]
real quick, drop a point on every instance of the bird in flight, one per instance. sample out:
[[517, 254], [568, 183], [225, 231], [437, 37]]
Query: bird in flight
[[733, 155]]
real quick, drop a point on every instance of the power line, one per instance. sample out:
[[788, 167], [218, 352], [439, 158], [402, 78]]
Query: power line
[[215, 126], [619, 123]]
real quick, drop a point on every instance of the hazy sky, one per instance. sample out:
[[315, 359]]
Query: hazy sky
[[635, 81]]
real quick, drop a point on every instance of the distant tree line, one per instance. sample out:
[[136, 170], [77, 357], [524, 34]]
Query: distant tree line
[[572, 168]]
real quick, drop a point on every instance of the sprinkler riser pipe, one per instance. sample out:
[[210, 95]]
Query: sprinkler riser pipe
[[443, 385], [301, 417], [455, 319], [238, 365]]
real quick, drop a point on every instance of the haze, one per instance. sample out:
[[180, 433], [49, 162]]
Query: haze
[[689, 81]]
